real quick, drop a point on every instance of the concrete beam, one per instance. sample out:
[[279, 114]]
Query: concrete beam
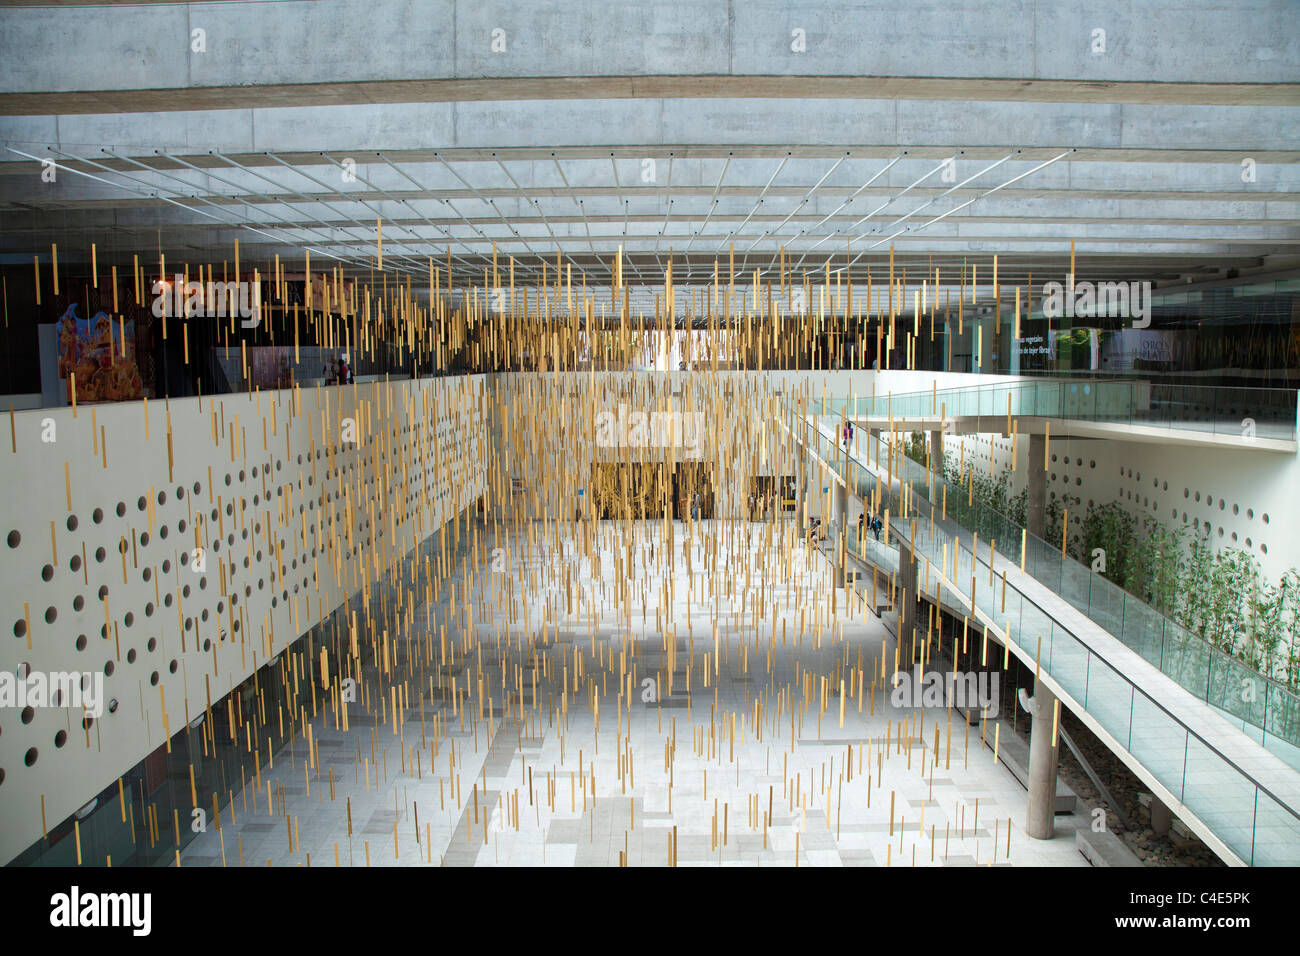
[[939, 127], [132, 57]]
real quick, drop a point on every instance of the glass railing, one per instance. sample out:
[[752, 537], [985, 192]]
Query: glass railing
[[1237, 412], [1264, 709], [1257, 826]]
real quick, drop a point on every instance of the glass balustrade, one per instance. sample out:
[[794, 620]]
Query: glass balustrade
[[1250, 820], [1237, 412]]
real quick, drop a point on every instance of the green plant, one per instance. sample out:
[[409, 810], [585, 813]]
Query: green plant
[[1220, 596]]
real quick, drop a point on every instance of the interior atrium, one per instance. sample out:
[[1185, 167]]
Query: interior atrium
[[734, 433]]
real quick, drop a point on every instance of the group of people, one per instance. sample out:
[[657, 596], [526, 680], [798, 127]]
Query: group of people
[[874, 525], [866, 522], [343, 373]]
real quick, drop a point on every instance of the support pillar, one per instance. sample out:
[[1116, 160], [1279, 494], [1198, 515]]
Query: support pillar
[[1162, 817], [803, 464], [936, 451], [1040, 818], [985, 345], [907, 600], [840, 515], [1036, 500]]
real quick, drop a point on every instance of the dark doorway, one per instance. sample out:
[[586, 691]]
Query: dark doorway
[[769, 495], [692, 478], [638, 489]]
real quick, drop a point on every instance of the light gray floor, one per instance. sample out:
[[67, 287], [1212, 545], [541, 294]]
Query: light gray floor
[[583, 797]]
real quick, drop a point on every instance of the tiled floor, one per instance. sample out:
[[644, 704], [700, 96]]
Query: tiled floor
[[725, 773]]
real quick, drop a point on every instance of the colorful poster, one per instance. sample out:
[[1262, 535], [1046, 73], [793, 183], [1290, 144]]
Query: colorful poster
[[102, 356]]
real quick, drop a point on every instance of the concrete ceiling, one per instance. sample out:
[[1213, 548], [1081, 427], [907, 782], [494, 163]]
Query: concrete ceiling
[[949, 132]]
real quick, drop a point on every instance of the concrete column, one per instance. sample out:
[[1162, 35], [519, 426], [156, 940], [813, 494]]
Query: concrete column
[[909, 605], [985, 346], [840, 515], [1162, 817], [800, 483], [936, 451], [1036, 503], [1040, 819]]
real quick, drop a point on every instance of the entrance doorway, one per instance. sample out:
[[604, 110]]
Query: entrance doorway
[[693, 480], [620, 489], [768, 495]]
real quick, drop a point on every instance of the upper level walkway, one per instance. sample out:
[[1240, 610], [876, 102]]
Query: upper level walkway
[[1165, 702], [1261, 419]]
